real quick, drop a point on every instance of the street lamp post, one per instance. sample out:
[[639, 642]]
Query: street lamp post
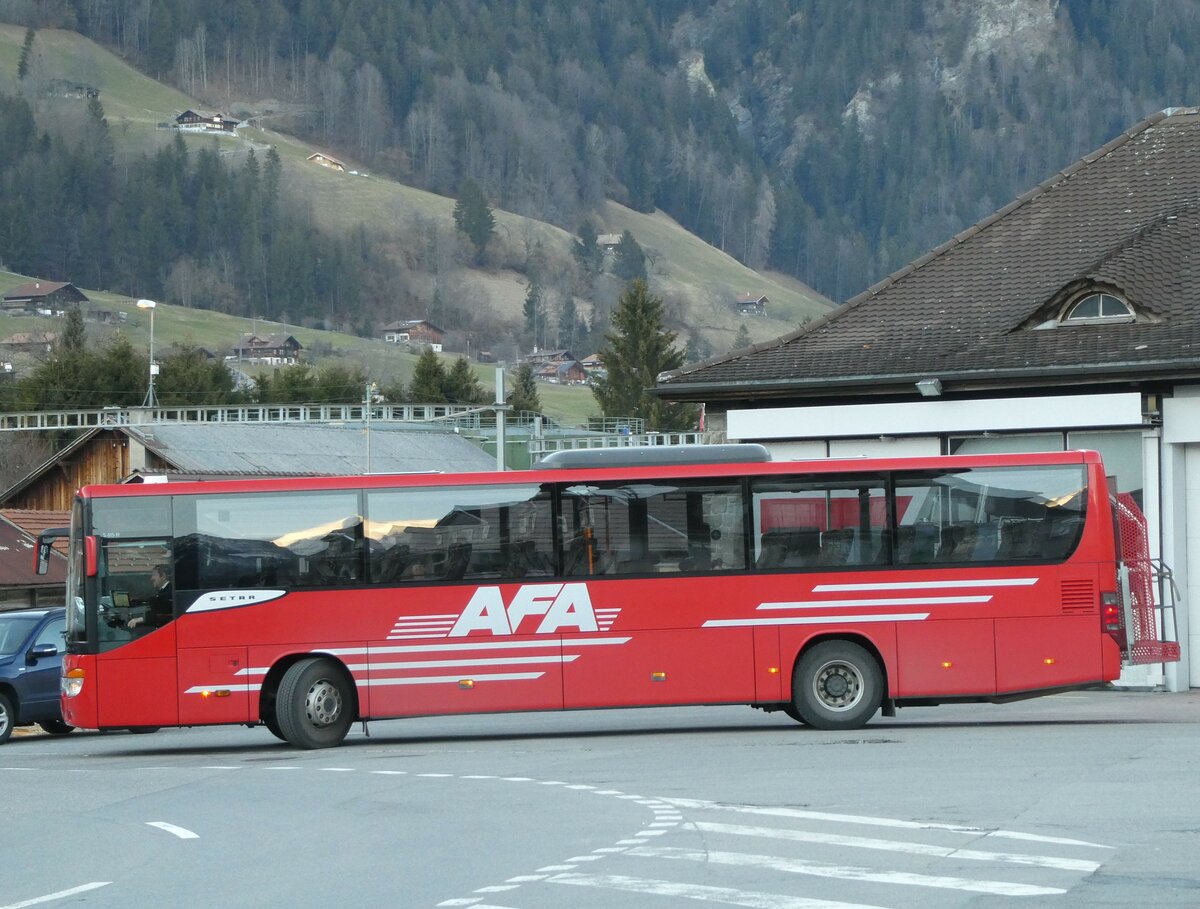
[[151, 399]]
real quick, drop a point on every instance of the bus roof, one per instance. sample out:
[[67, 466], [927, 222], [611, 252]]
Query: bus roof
[[598, 474]]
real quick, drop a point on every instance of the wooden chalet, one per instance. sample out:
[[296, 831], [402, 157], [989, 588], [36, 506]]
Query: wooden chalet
[[274, 349], [327, 161], [42, 296], [193, 120], [751, 304], [415, 331]]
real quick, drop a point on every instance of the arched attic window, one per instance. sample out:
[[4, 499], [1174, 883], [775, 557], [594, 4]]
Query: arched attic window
[[1097, 307]]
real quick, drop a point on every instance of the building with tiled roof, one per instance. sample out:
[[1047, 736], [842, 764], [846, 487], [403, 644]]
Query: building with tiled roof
[[1068, 318], [21, 587], [41, 295]]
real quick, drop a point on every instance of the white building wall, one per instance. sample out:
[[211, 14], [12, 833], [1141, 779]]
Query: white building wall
[[917, 428]]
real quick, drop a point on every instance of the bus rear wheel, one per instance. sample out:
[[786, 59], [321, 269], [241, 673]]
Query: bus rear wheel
[[315, 704], [837, 685]]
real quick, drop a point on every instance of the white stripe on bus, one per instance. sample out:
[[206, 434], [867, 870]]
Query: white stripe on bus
[[816, 620], [929, 585], [493, 661], [455, 679], [887, 601]]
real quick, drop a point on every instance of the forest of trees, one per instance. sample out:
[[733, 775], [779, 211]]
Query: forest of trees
[[173, 224], [834, 141]]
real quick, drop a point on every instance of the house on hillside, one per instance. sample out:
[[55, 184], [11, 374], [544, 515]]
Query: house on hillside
[[45, 297], [274, 349], [751, 304], [39, 343], [194, 121], [1065, 320], [68, 88], [197, 451], [415, 331], [327, 161], [561, 372], [608, 243], [540, 358]]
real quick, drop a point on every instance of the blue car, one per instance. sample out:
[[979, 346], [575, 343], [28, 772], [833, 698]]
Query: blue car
[[31, 654]]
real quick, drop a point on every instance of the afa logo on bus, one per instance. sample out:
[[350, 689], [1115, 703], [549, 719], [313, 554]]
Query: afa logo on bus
[[559, 607]]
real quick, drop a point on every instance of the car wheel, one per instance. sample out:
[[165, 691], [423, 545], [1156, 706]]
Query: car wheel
[[7, 717], [56, 727]]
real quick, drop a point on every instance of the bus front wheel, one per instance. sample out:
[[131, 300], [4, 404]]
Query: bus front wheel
[[837, 685], [315, 704]]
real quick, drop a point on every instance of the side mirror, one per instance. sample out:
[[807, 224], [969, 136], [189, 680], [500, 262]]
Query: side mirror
[[45, 542], [40, 651]]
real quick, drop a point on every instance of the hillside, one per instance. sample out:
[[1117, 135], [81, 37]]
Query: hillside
[[218, 332], [408, 225]]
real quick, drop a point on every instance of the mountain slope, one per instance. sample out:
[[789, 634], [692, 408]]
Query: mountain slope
[[412, 223]]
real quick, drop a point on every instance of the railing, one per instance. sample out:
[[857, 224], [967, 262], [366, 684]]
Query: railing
[[257, 413]]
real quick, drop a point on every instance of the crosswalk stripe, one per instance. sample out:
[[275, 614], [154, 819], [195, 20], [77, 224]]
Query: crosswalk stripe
[[845, 872], [727, 895], [862, 842], [866, 820]]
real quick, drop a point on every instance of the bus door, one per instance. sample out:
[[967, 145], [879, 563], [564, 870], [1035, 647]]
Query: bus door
[[647, 563], [136, 667]]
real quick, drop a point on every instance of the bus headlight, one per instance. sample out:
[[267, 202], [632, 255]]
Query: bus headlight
[[72, 683]]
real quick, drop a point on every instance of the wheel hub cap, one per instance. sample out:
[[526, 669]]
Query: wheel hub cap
[[323, 704]]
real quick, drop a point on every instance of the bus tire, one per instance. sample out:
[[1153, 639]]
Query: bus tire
[[315, 704], [837, 685], [56, 727], [791, 711]]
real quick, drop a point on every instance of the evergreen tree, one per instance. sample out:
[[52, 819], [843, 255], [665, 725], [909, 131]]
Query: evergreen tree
[[429, 379], [474, 218], [586, 250], [26, 53], [73, 340], [629, 263], [524, 394], [638, 349], [534, 316], [742, 338], [568, 326], [462, 385], [189, 376]]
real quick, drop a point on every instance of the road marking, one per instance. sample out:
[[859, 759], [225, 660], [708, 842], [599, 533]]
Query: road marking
[[726, 895], [862, 842], [62, 894], [847, 872], [182, 832], [866, 820]]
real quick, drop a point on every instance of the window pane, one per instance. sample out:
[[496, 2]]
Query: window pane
[[148, 516], [457, 533], [820, 523], [1087, 308], [1026, 514], [656, 527], [268, 540]]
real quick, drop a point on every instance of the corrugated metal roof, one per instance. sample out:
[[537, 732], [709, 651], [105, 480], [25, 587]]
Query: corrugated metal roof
[[308, 449]]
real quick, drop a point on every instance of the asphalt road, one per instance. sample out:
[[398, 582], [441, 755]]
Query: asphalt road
[[1071, 801]]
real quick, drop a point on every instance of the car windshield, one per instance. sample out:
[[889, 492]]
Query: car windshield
[[14, 629]]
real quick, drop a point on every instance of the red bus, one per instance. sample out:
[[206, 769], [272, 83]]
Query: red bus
[[829, 590]]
